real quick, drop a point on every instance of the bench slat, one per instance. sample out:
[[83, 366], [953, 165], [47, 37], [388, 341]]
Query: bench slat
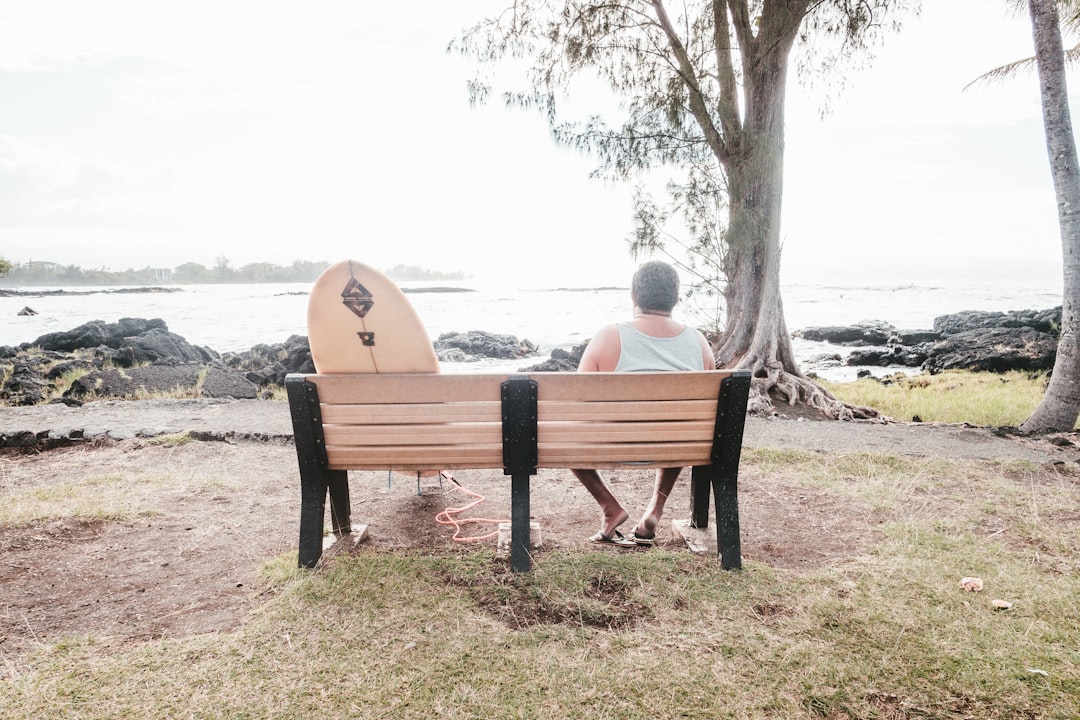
[[397, 457], [553, 455], [480, 433], [389, 435], [576, 455], [594, 387], [556, 410], [637, 432], [463, 459], [422, 388], [589, 452], [442, 388], [407, 413], [630, 410]]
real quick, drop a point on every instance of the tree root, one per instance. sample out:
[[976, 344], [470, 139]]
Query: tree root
[[770, 383]]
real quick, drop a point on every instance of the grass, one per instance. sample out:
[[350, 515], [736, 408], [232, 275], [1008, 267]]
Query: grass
[[119, 495], [63, 383], [177, 392], [275, 393], [102, 497], [170, 439], [58, 386], [953, 396], [882, 633]]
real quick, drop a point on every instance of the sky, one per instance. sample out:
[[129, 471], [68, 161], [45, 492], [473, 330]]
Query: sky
[[140, 134]]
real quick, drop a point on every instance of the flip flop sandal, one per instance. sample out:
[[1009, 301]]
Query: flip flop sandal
[[642, 540], [616, 538]]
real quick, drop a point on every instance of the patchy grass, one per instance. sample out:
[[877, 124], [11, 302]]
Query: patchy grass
[[119, 495], [63, 383], [954, 396], [102, 497], [170, 440], [275, 393], [178, 392], [113, 496], [58, 386], [886, 633]]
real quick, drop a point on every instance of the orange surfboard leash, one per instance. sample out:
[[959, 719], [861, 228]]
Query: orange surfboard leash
[[449, 516]]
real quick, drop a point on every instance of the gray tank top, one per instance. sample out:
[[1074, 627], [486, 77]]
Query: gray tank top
[[645, 353]]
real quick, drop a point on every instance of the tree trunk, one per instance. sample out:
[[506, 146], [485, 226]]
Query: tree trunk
[[756, 336], [1060, 404]]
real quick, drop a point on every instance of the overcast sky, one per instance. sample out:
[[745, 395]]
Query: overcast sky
[[150, 134]]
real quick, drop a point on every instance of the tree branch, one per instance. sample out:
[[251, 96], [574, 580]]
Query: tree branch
[[686, 70], [725, 72]]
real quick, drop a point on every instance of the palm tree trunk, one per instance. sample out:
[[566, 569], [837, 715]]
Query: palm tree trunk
[[1060, 404]]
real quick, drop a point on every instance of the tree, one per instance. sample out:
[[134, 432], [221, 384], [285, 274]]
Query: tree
[[191, 272], [1060, 404], [257, 272], [1068, 18], [5, 267], [702, 88], [223, 271]]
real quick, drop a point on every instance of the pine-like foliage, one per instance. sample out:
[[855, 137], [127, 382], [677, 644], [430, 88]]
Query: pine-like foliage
[[695, 96]]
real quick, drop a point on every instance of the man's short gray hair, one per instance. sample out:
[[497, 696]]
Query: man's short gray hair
[[655, 287]]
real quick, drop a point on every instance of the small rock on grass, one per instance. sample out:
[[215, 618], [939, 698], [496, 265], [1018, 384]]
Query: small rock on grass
[[971, 584]]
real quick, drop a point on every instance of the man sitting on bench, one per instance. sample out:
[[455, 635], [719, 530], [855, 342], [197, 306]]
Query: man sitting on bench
[[651, 341]]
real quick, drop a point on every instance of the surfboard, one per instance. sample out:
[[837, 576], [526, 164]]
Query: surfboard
[[359, 321]]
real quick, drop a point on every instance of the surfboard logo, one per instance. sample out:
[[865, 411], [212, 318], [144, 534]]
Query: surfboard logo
[[357, 298]]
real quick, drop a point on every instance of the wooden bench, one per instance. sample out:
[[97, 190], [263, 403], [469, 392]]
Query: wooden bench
[[518, 423]]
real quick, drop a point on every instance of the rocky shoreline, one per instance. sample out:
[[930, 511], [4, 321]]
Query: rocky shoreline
[[7, 292], [970, 340], [139, 358]]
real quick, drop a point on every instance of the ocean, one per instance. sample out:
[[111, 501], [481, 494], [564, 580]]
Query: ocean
[[237, 317]]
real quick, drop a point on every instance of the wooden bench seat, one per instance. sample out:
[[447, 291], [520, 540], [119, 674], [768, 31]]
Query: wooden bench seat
[[518, 423]]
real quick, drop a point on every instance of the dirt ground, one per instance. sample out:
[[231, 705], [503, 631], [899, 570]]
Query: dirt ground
[[183, 557], [180, 531]]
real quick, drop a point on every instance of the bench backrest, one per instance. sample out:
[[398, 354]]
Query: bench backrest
[[443, 421]]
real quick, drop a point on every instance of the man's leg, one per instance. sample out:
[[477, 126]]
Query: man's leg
[[614, 514], [650, 520]]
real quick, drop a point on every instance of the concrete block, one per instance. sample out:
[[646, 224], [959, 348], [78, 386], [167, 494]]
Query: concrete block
[[334, 545], [698, 540], [535, 539]]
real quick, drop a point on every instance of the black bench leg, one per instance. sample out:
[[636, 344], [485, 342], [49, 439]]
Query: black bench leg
[[340, 512], [519, 424], [313, 486], [723, 473], [726, 492], [315, 479], [520, 526], [700, 485]]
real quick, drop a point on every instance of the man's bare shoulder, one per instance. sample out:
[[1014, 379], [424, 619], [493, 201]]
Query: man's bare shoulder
[[602, 352]]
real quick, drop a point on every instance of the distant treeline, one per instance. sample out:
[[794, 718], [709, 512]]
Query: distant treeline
[[39, 273]]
